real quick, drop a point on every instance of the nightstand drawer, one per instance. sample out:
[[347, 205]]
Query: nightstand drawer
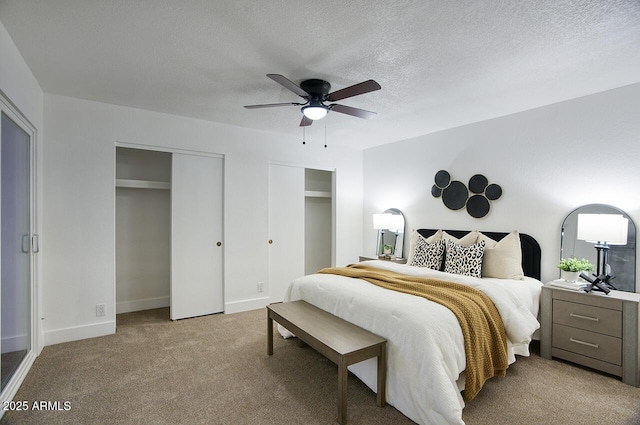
[[590, 344], [582, 316]]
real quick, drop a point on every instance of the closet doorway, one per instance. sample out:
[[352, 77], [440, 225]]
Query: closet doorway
[[169, 232], [143, 229], [301, 224], [318, 220]]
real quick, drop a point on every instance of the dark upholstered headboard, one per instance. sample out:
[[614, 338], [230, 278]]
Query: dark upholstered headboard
[[531, 252]]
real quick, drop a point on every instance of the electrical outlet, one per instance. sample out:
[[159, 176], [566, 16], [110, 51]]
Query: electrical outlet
[[260, 286], [101, 310]]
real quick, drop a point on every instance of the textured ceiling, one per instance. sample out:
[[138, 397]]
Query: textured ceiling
[[441, 64]]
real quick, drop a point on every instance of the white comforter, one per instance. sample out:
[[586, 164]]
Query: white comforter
[[425, 348]]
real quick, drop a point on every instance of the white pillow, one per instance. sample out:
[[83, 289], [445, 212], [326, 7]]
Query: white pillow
[[414, 239], [467, 240], [503, 259]]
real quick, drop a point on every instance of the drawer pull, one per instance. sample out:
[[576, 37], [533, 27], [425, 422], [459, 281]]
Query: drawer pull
[[577, 341], [579, 316]]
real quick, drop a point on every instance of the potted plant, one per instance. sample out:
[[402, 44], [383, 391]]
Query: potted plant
[[387, 249], [572, 267]]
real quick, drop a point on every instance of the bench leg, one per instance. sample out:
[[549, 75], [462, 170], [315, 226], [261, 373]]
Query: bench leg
[[269, 334], [382, 376], [343, 373]]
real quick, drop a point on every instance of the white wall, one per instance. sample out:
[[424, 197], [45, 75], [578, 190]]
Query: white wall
[[549, 161], [17, 81], [79, 195]]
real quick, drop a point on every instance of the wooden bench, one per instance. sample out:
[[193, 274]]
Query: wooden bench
[[338, 340]]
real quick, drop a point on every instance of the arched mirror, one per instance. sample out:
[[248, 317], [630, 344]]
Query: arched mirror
[[606, 236], [390, 226]]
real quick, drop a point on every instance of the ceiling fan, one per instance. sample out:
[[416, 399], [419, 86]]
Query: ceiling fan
[[315, 92]]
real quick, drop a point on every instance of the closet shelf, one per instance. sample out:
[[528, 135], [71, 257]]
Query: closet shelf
[[317, 194], [142, 184]]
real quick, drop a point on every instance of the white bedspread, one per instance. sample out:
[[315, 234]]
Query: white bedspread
[[425, 348]]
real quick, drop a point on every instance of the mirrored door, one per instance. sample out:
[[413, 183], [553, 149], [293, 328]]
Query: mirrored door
[[16, 248]]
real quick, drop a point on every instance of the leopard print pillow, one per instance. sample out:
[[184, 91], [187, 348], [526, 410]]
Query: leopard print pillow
[[466, 260], [428, 254]]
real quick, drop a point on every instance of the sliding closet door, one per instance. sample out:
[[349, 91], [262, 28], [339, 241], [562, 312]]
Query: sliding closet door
[[16, 252], [286, 228], [196, 236]]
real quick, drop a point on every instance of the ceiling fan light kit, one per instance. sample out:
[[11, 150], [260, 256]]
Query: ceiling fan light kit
[[315, 92], [315, 112]]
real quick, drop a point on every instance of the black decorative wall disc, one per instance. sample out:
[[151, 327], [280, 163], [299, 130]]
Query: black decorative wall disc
[[436, 191], [455, 195], [442, 179], [478, 206], [478, 183], [493, 192]]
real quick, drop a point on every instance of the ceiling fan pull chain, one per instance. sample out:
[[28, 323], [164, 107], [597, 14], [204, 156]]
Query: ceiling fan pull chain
[[325, 131], [304, 139]]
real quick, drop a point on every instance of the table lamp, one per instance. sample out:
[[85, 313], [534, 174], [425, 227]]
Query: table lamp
[[603, 230]]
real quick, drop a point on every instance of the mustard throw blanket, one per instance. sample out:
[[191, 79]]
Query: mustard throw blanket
[[485, 340]]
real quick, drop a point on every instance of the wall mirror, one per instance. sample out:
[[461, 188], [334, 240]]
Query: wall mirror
[[619, 255], [390, 226]]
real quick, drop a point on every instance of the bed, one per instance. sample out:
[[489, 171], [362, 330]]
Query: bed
[[426, 354]]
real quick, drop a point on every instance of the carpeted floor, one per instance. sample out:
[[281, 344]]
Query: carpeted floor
[[214, 370]]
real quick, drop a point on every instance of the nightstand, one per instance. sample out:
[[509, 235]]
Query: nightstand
[[395, 260], [592, 329]]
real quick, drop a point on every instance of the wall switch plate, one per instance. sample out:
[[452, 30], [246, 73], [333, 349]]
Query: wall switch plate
[[101, 310], [260, 286]]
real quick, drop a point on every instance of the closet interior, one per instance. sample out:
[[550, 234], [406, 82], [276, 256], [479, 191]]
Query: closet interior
[[318, 218], [143, 229]]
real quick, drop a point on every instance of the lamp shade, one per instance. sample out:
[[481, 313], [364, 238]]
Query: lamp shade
[[610, 229], [382, 221], [314, 112], [397, 223]]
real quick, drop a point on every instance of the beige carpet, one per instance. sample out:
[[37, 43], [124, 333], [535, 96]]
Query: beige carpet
[[214, 370]]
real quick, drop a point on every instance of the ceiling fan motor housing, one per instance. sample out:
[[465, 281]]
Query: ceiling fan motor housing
[[316, 88]]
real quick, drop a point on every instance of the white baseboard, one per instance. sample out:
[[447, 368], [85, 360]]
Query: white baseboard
[[245, 305], [139, 305], [75, 333]]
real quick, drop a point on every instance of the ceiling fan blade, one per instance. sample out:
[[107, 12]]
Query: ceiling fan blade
[[355, 90], [288, 84], [272, 105], [305, 121], [360, 113]]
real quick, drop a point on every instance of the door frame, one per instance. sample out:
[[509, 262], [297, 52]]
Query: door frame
[[36, 338], [171, 150]]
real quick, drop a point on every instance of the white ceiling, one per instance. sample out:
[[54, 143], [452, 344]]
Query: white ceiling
[[441, 64]]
